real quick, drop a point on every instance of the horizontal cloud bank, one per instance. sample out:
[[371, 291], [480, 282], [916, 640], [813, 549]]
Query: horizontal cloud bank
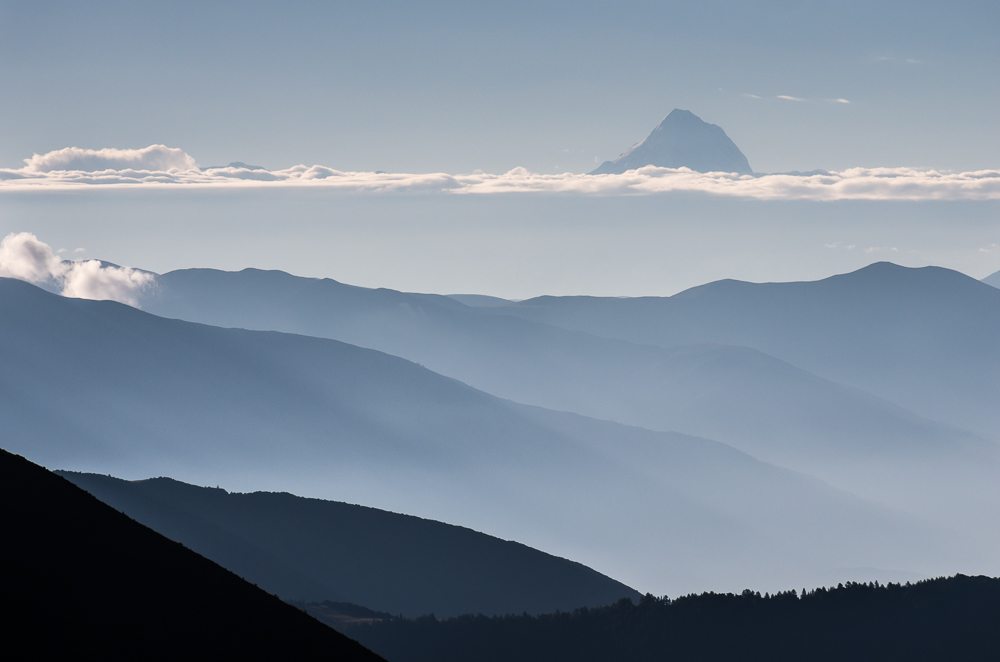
[[161, 166], [24, 257], [73, 159]]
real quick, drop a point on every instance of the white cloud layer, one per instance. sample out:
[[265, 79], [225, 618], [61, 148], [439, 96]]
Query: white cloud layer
[[24, 257], [158, 167], [154, 158]]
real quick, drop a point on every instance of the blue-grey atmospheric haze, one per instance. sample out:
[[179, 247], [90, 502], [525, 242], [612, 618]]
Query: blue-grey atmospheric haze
[[764, 354]]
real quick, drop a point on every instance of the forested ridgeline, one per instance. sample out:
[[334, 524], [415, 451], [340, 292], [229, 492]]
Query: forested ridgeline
[[955, 618]]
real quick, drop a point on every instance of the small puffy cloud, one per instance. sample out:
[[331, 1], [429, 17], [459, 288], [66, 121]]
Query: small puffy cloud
[[152, 158], [751, 96], [92, 280], [24, 257], [788, 98], [992, 248], [881, 249]]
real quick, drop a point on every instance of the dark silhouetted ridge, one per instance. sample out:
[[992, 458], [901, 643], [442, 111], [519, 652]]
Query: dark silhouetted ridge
[[951, 619], [311, 549], [81, 577]]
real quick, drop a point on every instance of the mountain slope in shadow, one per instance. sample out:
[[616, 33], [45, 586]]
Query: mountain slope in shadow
[[314, 550], [79, 577], [105, 388]]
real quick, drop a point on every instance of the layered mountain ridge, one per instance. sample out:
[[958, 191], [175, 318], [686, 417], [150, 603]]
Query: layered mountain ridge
[[314, 550], [105, 388], [534, 352], [925, 339]]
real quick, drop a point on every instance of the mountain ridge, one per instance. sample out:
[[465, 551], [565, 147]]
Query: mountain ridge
[[80, 577], [104, 388], [682, 139], [922, 338], [322, 550], [767, 407]]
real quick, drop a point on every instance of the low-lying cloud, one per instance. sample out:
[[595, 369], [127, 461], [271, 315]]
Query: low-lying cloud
[[154, 158], [163, 167], [24, 257]]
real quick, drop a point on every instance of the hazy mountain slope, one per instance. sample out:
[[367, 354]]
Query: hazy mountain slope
[[79, 577], [478, 300], [682, 139], [391, 562], [737, 395], [927, 339], [101, 387], [993, 279]]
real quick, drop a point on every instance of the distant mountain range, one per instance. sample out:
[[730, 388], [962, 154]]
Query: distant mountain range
[[926, 339], [993, 279], [81, 579], [682, 139], [102, 387], [314, 550], [607, 365]]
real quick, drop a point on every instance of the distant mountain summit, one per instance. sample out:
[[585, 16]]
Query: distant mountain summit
[[682, 139], [993, 279]]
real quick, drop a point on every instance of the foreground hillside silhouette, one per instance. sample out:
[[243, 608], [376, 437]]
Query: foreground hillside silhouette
[[310, 549], [81, 577], [941, 619]]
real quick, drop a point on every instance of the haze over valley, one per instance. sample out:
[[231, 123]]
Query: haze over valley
[[755, 438], [509, 331]]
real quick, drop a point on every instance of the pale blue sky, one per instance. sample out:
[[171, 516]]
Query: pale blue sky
[[515, 246], [454, 87], [457, 86]]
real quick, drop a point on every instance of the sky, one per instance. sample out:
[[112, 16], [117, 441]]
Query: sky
[[456, 88], [514, 246]]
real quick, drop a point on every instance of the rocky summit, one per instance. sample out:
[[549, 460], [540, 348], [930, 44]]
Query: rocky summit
[[682, 139]]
